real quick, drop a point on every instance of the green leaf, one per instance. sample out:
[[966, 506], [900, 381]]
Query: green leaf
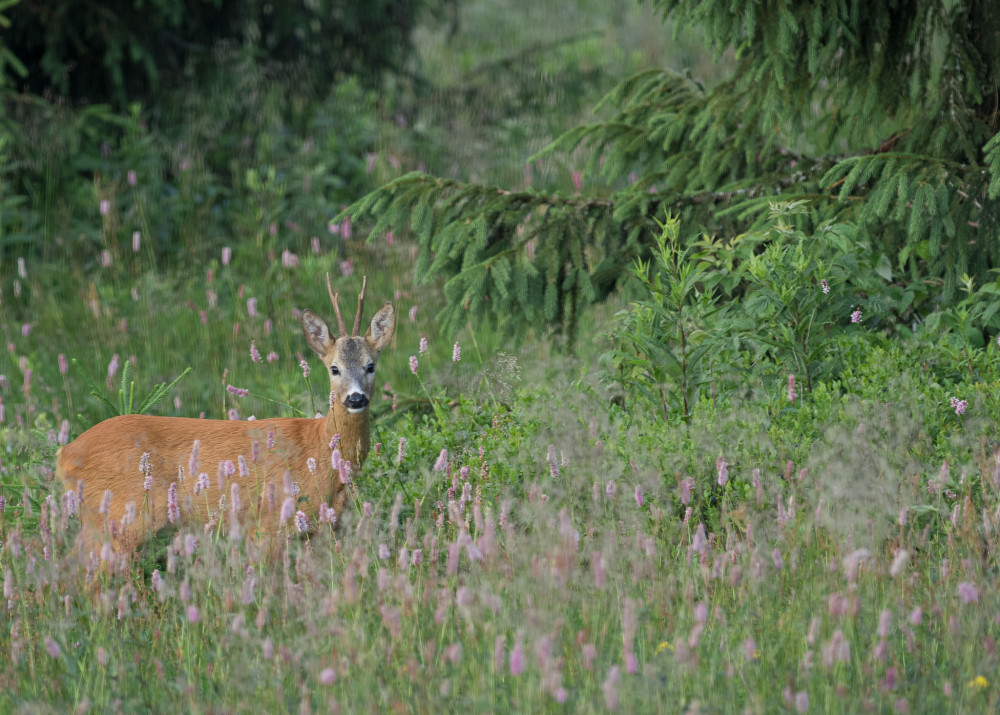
[[884, 268]]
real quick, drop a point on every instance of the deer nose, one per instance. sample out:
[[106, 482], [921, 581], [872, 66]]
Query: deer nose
[[356, 401]]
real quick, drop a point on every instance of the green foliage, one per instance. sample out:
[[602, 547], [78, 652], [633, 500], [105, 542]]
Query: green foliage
[[849, 106], [9, 63], [800, 288], [523, 258], [668, 332], [772, 302], [129, 50], [255, 164], [126, 404], [962, 331]]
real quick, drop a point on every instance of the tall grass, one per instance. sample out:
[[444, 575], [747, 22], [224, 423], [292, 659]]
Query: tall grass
[[549, 558]]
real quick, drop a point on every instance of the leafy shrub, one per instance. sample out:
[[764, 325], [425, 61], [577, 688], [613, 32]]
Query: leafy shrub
[[719, 316]]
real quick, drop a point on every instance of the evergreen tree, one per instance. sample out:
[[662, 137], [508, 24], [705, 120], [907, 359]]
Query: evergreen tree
[[885, 114]]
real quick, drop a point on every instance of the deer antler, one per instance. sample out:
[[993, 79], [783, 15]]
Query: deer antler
[[361, 303], [336, 307]]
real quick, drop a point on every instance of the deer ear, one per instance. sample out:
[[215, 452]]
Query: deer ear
[[383, 328], [316, 332]]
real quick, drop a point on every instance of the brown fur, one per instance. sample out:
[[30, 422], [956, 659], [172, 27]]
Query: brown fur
[[107, 456]]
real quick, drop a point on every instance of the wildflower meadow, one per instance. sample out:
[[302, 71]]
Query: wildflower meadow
[[755, 467]]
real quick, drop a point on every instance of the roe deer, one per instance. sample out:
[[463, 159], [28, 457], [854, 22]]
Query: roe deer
[[134, 474]]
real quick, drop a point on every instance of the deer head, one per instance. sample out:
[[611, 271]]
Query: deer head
[[350, 359]]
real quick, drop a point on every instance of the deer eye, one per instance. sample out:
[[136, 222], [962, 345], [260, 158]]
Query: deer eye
[[334, 369], [371, 367]]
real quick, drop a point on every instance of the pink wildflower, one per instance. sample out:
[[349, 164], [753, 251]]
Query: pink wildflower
[[173, 511], [105, 502], [287, 509], [114, 365], [413, 364], [553, 463], [610, 687], [856, 316], [722, 470], [517, 658], [456, 353], [52, 648], [193, 460], [968, 592], [684, 490]]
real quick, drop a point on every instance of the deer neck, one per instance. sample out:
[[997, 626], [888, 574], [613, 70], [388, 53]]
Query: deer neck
[[354, 429]]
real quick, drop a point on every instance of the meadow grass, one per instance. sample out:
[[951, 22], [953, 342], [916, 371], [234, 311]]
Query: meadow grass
[[836, 553]]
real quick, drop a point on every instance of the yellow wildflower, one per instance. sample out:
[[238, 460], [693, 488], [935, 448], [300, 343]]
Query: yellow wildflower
[[979, 683]]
